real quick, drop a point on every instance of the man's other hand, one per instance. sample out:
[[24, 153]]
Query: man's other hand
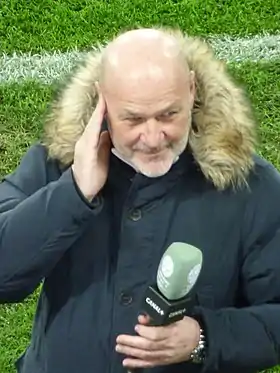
[[160, 345]]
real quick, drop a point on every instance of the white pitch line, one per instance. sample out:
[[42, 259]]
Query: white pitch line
[[48, 67]]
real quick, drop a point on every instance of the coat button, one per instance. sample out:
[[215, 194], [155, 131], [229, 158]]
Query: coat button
[[135, 215], [126, 299]]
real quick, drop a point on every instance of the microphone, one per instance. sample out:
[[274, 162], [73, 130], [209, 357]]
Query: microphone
[[172, 296]]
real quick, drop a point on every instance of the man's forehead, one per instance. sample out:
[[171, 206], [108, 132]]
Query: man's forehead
[[147, 83], [142, 111]]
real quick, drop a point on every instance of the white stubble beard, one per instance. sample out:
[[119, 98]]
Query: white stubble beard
[[161, 167]]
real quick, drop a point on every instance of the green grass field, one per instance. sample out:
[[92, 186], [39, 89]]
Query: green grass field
[[36, 27]]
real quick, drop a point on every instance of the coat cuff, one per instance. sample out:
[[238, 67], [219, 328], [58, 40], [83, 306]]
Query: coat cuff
[[96, 204]]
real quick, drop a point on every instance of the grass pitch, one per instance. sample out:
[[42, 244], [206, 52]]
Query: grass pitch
[[47, 25]]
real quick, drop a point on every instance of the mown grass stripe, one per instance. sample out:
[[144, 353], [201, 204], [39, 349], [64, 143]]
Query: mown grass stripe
[[48, 67]]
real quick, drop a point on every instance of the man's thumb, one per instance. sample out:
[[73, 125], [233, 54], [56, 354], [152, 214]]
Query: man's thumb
[[144, 319]]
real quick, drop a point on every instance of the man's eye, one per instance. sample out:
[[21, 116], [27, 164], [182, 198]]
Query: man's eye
[[172, 112], [169, 114], [134, 120]]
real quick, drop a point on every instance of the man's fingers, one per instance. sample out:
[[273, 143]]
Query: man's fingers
[[93, 127], [140, 354], [138, 363], [153, 333], [138, 342]]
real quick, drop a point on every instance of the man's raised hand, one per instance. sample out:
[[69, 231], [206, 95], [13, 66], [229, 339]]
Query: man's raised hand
[[91, 157]]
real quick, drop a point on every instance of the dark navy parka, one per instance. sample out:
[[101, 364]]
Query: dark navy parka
[[96, 260]]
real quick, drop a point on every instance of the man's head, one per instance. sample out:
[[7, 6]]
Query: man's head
[[149, 92]]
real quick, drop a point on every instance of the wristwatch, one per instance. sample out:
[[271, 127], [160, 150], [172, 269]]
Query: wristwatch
[[198, 354]]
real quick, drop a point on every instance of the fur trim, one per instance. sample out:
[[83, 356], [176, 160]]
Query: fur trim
[[224, 135]]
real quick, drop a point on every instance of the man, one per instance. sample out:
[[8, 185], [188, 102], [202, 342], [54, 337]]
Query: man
[[166, 154]]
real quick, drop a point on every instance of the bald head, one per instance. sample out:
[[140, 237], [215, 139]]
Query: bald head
[[143, 54], [149, 93]]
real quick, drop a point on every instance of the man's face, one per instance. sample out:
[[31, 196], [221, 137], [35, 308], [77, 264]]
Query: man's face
[[150, 122]]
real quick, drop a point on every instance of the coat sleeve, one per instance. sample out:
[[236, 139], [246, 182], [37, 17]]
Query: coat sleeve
[[39, 221], [248, 338]]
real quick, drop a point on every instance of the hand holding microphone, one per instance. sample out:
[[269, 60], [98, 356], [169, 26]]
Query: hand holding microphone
[[165, 335]]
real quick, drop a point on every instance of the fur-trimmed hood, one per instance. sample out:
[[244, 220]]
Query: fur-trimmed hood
[[224, 133]]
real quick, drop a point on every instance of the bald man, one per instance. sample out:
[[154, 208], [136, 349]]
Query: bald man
[[150, 143]]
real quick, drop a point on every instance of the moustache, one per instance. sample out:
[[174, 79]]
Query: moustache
[[151, 151]]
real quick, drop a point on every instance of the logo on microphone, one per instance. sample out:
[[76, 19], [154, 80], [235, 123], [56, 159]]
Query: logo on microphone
[[193, 275], [167, 266], [177, 313], [154, 306]]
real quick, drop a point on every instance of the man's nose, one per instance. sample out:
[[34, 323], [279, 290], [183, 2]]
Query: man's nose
[[153, 134]]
